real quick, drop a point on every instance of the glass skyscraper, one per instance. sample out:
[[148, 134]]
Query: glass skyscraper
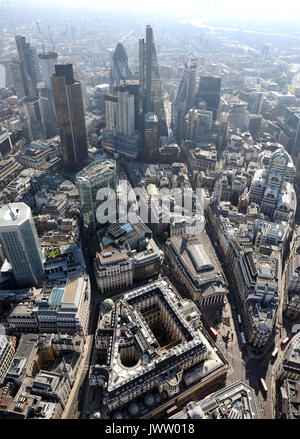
[[29, 66], [89, 180], [119, 68], [186, 94], [47, 62], [150, 81]]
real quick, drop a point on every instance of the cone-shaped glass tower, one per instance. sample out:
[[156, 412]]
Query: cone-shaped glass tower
[[119, 66]]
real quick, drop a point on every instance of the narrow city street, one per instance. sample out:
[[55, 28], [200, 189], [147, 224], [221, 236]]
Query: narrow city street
[[76, 401]]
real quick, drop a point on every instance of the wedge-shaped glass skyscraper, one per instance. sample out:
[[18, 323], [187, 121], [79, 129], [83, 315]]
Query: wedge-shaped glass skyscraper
[[185, 98], [150, 81]]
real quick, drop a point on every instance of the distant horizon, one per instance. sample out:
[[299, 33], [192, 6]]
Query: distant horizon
[[256, 10]]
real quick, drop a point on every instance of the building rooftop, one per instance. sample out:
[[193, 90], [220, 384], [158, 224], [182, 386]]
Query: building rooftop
[[14, 214], [96, 169], [197, 258]]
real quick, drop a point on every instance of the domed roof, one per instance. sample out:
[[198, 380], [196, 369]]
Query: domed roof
[[108, 303], [275, 176], [133, 409], [270, 193], [157, 399], [284, 203], [149, 400], [117, 415]]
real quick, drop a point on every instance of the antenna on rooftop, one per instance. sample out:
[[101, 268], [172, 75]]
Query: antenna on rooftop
[[13, 216]]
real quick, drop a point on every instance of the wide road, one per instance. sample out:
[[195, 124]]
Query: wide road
[[246, 365]]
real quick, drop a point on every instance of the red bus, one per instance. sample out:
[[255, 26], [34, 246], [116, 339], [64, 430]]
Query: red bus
[[213, 332], [263, 385], [274, 353], [284, 341]]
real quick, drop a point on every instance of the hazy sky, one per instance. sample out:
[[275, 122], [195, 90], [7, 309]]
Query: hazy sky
[[254, 9]]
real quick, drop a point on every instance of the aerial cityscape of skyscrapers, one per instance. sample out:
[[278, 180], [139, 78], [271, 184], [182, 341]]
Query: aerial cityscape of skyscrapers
[[149, 218]]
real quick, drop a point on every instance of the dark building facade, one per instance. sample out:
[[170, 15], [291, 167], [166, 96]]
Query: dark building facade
[[151, 136], [70, 116]]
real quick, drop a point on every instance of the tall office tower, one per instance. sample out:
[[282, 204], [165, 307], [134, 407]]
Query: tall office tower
[[70, 116], [47, 108], [142, 65], [150, 81], [20, 243], [210, 91], [30, 68], [89, 180], [289, 135], [111, 112], [34, 118], [186, 94], [119, 110], [47, 63], [45, 93], [151, 135], [254, 124], [119, 66], [98, 100], [197, 125], [119, 136], [255, 102], [133, 87], [16, 71], [6, 356], [125, 113]]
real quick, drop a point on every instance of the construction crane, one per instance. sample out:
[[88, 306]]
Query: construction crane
[[51, 39], [40, 34]]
